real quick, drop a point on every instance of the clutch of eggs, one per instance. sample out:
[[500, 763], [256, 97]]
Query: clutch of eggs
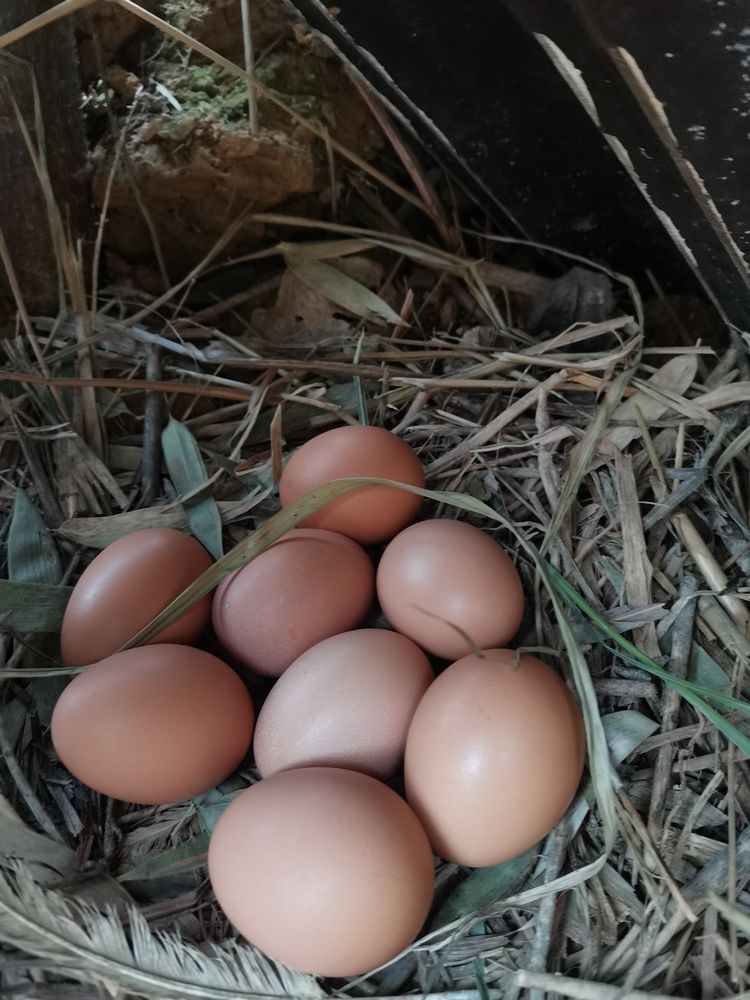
[[492, 750]]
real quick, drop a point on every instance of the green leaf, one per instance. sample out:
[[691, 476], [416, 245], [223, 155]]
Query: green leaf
[[212, 803], [625, 731], [32, 553], [703, 669], [188, 473], [482, 888], [32, 607], [341, 289], [33, 558]]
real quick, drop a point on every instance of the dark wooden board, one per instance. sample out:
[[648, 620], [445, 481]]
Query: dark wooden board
[[474, 82]]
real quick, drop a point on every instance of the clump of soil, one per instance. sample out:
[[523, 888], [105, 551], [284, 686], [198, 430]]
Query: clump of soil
[[189, 165]]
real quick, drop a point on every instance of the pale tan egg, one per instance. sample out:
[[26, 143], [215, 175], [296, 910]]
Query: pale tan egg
[[494, 756], [346, 702], [324, 869]]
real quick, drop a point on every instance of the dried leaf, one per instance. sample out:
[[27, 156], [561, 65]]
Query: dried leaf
[[98, 532], [188, 473], [341, 289], [83, 476], [677, 375], [92, 944]]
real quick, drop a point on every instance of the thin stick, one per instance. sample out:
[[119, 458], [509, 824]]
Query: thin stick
[[184, 388], [152, 425], [554, 855], [10, 273], [247, 40], [42, 20]]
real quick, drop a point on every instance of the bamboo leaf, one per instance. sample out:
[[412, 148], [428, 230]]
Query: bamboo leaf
[[483, 887], [188, 473], [625, 731], [33, 558], [32, 607], [67, 934], [32, 553], [341, 289]]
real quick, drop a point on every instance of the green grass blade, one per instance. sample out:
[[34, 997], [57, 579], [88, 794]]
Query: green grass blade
[[188, 473], [695, 694]]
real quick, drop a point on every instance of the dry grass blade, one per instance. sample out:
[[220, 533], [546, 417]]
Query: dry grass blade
[[582, 453], [94, 945]]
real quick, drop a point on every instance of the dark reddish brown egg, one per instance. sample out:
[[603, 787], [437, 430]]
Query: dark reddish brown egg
[[126, 586], [307, 586]]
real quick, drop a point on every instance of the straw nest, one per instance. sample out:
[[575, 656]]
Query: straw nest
[[616, 471]]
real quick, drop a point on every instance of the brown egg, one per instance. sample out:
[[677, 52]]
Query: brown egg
[[371, 514], [324, 869], [443, 571], [127, 585], [347, 702], [155, 724], [494, 756], [307, 586]]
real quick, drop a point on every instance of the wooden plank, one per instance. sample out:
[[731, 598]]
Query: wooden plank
[[49, 56], [508, 94]]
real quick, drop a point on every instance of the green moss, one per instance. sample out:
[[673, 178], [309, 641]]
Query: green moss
[[305, 84]]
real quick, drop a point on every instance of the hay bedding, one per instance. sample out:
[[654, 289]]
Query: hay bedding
[[617, 476]]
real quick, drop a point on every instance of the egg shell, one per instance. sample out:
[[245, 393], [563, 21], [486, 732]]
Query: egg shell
[[371, 514], [126, 586], [494, 756], [307, 586], [324, 869], [154, 725], [347, 702], [442, 571]]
